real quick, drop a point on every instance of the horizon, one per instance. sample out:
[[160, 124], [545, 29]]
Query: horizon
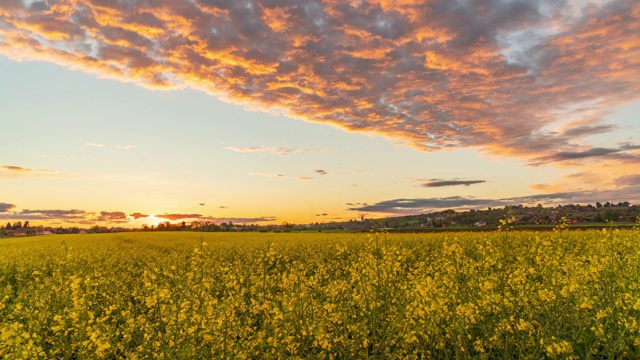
[[120, 115]]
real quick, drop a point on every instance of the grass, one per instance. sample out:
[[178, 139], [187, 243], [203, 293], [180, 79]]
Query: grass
[[191, 295]]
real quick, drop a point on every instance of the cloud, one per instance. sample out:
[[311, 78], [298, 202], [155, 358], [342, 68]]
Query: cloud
[[174, 217], [587, 177], [73, 215], [138, 215], [220, 220], [125, 147], [416, 206], [96, 145], [269, 175], [56, 213], [493, 75], [81, 217], [628, 180], [16, 171], [584, 130], [443, 183], [223, 207], [426, 205], [113, 216], [117, 147], [280, 176], [321, 172], [620, 153], [281, 151], [4, 207]]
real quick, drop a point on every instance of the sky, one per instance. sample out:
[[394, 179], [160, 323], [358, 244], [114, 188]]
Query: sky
[[132, 112]]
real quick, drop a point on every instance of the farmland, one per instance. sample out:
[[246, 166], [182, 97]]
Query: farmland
[[521, 294]]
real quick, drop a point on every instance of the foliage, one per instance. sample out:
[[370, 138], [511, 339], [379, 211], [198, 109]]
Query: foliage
[[187, 295]]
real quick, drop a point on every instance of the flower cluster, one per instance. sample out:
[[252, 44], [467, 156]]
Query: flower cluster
[[529, 295]]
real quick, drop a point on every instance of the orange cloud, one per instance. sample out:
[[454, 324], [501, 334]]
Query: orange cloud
[[493, 75]]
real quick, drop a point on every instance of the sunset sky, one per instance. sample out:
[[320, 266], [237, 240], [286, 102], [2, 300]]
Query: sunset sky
[[131, 112]]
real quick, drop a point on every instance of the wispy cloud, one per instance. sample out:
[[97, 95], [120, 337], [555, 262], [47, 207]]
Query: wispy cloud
[[5, 207], [113, 217], [622, 153], [455, 182], [321, 172], [280, 176], [628, 180], [82, 217], [494, 75], [117, 147], [125, 147], [16, 171], [268, 175], [238, 220], [175, 217], [72, 216], [138, 215], [425, 205], [281, 151]]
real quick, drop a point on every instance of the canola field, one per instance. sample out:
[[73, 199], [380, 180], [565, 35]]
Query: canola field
[[525, 295]]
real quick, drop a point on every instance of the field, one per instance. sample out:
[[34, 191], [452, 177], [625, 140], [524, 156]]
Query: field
[[560, 294]]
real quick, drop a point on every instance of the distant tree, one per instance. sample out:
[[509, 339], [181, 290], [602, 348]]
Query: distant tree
[[599, 205], [196, 225], [8, 227], [610, 215], [26, 224], [17, 225]]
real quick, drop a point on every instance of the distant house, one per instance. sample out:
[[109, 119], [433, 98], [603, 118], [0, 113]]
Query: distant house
[[480, 223], [44, 232]]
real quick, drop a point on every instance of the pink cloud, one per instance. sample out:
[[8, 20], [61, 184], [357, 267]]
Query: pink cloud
[[435, 75]]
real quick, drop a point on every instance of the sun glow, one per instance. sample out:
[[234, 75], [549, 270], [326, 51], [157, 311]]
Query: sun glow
[[153, 220]]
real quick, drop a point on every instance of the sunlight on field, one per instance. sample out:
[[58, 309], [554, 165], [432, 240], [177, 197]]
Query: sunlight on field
[[190, 295]]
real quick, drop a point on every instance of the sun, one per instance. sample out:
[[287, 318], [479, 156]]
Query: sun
[[152, 220]]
